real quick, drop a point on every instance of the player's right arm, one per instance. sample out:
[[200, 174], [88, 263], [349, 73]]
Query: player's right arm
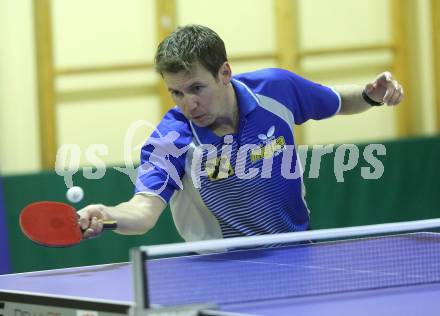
[[136, 216], [165, 151]]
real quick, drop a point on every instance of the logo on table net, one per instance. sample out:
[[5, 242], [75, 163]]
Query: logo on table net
[[269, 146]]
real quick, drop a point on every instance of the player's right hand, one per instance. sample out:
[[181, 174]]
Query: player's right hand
[[91, 220]]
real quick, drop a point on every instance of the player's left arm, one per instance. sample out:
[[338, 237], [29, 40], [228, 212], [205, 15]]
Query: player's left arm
[[383, 90]]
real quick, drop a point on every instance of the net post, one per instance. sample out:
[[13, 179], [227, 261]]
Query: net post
[[139, 273]]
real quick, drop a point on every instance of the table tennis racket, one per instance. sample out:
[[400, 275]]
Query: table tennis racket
[[53, 224]]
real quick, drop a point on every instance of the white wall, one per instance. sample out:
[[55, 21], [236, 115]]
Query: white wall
[[102, 32], [19, 140]]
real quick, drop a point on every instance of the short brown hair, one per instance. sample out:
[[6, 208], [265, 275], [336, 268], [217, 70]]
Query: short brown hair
[[190, 44]]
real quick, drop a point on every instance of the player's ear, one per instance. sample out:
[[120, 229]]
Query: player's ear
[[225, 73]]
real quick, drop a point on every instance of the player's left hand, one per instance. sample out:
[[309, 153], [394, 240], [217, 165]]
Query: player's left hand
[[385, 89]]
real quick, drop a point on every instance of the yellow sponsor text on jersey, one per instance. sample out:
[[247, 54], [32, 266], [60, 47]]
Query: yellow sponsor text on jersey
[[219, 168], [268, 150]]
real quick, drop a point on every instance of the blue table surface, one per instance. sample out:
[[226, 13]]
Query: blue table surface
[[395, 275]]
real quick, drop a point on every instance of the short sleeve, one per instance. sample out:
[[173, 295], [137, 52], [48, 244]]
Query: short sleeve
[[304, 98], [310, 100], [163, 157]]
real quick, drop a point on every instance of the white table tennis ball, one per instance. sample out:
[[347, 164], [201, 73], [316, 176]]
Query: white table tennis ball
[[75, 194]]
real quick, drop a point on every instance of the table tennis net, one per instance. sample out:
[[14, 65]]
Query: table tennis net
[[296, 271]]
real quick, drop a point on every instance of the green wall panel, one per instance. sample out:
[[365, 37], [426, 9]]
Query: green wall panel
[[409, 189]]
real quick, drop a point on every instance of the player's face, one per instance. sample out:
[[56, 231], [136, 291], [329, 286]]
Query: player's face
[[201, 96]]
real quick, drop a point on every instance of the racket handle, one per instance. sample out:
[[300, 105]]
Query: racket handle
[[110, 225]]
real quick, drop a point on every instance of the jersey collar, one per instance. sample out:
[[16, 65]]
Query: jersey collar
[[246, 98], [247, 102]]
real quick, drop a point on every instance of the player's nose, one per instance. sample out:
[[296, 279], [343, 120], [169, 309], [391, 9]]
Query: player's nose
[[189, 103]]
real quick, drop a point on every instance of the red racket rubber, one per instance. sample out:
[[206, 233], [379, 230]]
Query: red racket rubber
[[53, 224]]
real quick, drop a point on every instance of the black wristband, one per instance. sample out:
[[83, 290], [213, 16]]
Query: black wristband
[[369, 100]]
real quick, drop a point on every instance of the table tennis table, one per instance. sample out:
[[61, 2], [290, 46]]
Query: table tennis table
[[366, 276]]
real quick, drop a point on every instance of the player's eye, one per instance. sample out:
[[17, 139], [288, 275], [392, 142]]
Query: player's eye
[[196, 89], [176, 94]]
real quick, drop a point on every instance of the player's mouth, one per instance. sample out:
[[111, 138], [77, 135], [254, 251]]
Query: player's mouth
[[199, 118]]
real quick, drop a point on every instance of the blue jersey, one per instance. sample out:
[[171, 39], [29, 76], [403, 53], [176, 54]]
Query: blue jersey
[[244, 184]]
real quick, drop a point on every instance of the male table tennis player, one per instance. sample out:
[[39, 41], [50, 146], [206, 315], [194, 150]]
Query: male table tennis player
[[252, 115]]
